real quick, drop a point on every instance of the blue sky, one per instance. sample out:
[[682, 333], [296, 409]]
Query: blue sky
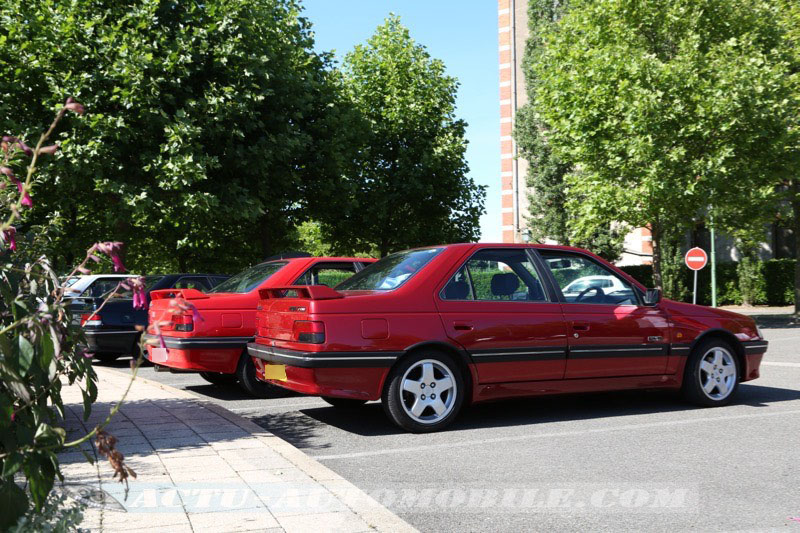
[[463, 34]]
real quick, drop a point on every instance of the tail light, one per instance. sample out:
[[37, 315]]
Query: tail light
[[182, 322], [308, 331], [91, 320]]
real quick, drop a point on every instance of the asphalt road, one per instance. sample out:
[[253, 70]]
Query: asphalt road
[[612, 461]]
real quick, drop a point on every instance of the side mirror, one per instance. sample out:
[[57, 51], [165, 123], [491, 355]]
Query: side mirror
[[652, 297]]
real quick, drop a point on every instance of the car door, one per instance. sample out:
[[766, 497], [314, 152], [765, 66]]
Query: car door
[[610, 332], [497, 307]]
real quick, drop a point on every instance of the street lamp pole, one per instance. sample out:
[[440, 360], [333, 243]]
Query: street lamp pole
[[713, 264]]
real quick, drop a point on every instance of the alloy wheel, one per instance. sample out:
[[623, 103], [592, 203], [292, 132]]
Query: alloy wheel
[[429, 391], [717, 373]]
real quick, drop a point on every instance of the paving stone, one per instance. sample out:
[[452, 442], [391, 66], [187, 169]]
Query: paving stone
[[339, 522], [258, 519]]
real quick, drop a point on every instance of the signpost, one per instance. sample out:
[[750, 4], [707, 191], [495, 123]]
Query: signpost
[[696, 259]]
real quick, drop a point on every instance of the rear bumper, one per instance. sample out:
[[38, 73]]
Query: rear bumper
[[200, 354], [120, 341], [302, 359], [336, 374]]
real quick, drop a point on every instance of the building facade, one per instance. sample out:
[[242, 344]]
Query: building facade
[[515, 194]]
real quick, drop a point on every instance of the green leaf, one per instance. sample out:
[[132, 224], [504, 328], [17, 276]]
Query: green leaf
[[25, 355], [13, 502], [11, 464]]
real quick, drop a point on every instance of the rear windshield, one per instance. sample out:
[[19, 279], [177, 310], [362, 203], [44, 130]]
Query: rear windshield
[[390, 272], [249, 279]]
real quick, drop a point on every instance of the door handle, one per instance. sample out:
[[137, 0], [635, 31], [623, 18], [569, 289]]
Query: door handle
[[462, 326], [580, 326]]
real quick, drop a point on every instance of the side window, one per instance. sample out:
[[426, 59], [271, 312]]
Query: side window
[[505, 274], [330, 274], [459, 287], [102, 286], [192, 283], [583, 280]]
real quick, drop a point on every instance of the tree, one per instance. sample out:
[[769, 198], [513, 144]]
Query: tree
[[790, 21], [214, 128], [409, 185], [673, 110], [549, 215]]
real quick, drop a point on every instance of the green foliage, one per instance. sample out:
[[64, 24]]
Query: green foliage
[[752, 283], [213, 129], [57, 515], [779, 281], [37, 349], [666, 106], [771, 282], [641, 273], [410, 185]]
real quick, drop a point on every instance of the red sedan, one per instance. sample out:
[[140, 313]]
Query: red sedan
[[214, 341], [430, 329]]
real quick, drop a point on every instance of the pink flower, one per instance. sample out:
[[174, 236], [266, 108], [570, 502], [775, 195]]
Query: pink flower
[[8, 172], [139, 294], [84, 270], [49, 150], [10, 237], [10, 140], [26, 198], [794, 518], [112, 250], [72, 105]]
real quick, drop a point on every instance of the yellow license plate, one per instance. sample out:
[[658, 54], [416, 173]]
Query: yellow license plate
[[277, 372]]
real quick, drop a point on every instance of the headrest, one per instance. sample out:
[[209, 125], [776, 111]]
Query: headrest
[[505, 284], [456, 290]]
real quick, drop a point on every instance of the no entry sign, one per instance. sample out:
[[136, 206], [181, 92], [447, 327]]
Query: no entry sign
[[696, 259]]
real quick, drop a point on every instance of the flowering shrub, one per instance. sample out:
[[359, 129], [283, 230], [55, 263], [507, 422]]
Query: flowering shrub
[[39, 347]]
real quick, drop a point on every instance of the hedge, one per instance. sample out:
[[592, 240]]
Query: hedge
[[778, 280]]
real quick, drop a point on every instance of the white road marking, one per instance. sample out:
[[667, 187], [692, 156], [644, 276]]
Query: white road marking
[[451, 444], [775, 363]]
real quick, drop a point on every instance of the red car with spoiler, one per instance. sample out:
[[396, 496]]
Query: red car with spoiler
[[213, 340], [428, 330]]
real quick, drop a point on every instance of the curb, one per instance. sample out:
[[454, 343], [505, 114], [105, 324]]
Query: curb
[[372, 512]]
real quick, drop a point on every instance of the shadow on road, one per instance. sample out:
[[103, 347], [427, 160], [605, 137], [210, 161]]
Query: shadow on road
[[371, 421]]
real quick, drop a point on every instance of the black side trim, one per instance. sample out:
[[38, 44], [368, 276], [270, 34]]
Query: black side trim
[[322, 359], [680, 348], [194, 343], [507, 355], [620, 350], [755, 347]]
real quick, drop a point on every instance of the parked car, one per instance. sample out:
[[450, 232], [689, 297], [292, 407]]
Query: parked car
[[427, 330], [113, 331], [81, 289], [216, 346]]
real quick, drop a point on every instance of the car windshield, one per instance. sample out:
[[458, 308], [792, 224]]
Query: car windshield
[[390, 272], [249, 279]]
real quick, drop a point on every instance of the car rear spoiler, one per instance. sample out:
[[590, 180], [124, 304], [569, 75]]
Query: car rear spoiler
[[312, 292], [186, 294]]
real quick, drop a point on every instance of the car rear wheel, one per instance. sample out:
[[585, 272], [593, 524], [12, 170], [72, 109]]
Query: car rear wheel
[[344, 403], [218, 379], [246, 374], [712, 374], [424, 392]]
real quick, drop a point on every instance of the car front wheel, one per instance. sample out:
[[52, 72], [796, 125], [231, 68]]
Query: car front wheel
[[425, 392], [712, 374]]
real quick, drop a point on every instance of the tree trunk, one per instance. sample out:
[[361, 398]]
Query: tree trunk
[[796, 231], [655, 232], [182, 263]]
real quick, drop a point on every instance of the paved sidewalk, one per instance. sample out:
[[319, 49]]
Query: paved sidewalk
[[202, 468]]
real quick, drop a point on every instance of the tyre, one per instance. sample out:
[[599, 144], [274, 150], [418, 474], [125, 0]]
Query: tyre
[[344, 403], [246, 374], [218, 379], [711, 377], [424, 392], [106, 358]]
